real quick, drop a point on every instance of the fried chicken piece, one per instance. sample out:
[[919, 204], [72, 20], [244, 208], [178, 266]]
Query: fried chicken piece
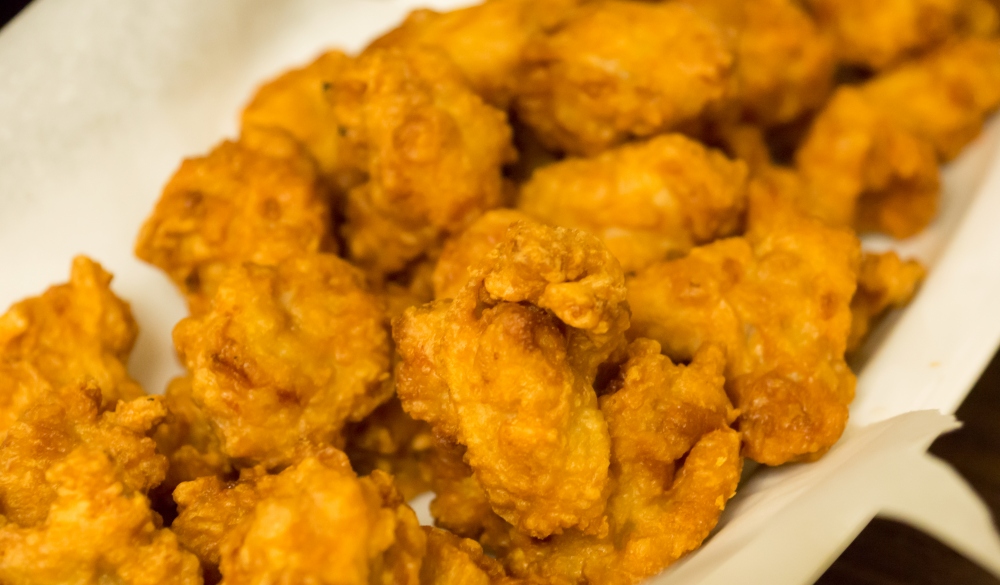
[[783, 65], [506, 369], [660, 508], [286, 356], [74, 331], [943, 97], [885, 282], [486, 41], [779, 301], [296, 103], [314, 522], [434, 155], [619, 69], [452, 560], [464, 250], [978, 18], [257, 200], [646, 201], [862, 169], [391, 441], [187, 439], [73, 481], [880, 34]]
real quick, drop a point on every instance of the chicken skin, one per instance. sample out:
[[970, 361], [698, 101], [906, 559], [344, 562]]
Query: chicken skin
[[646, 201], [506, 369], [778, 300], [286, 356]]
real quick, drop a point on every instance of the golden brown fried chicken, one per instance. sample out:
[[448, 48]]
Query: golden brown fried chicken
[[862, 169], [188, 440], [391, 441], [286, 356], [619, 69], [646, 201], [885, 282], [74, 331], [659, 508], [451, 560], [486, 41], [314, 522], [506, 370], [464, 250], [73, 481], [880, 34], [779, 301], [296, 103], [257, 200], [434, 155], [943, 97], [783, 65]]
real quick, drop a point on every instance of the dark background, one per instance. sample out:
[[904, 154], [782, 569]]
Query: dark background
[[888, 552]]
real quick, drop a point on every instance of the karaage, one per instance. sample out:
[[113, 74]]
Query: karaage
[[646, 201], [286, 355], [463, 251], [778, 300], [885, 282], [621, 69], [257, 200], [507, 367], [315, 522], [73, 479]]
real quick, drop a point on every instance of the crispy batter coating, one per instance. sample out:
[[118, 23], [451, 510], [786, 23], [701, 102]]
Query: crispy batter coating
[[257, 200], [783, 65], [880, 34], [286, 356], [659, 509], [315, 522], [452, 560], [779, 301], [74, 331], [463, 251], [646, 201], [393, 442], [188, 440], [619, 69], [486, 41], [943, 97], [72, 487], [863, 169], [434, 155], [885, 282], [507, 368], [296, 103]]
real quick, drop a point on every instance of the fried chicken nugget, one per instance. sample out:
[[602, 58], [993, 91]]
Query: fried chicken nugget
[[296, 103], [943, 97], [779, 301], [314, 522], [783, 65], [618, 69], [463, 251], [646, 201], [257, 200], [74, 331], [862, 169], [434, 155], [885, 282], [73, 481], [880, 34], [486, 41], [660, 509], [452, 560], [507, 368], [286, 356]]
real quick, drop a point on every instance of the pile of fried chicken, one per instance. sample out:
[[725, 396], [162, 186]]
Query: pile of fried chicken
[[564, 263]]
